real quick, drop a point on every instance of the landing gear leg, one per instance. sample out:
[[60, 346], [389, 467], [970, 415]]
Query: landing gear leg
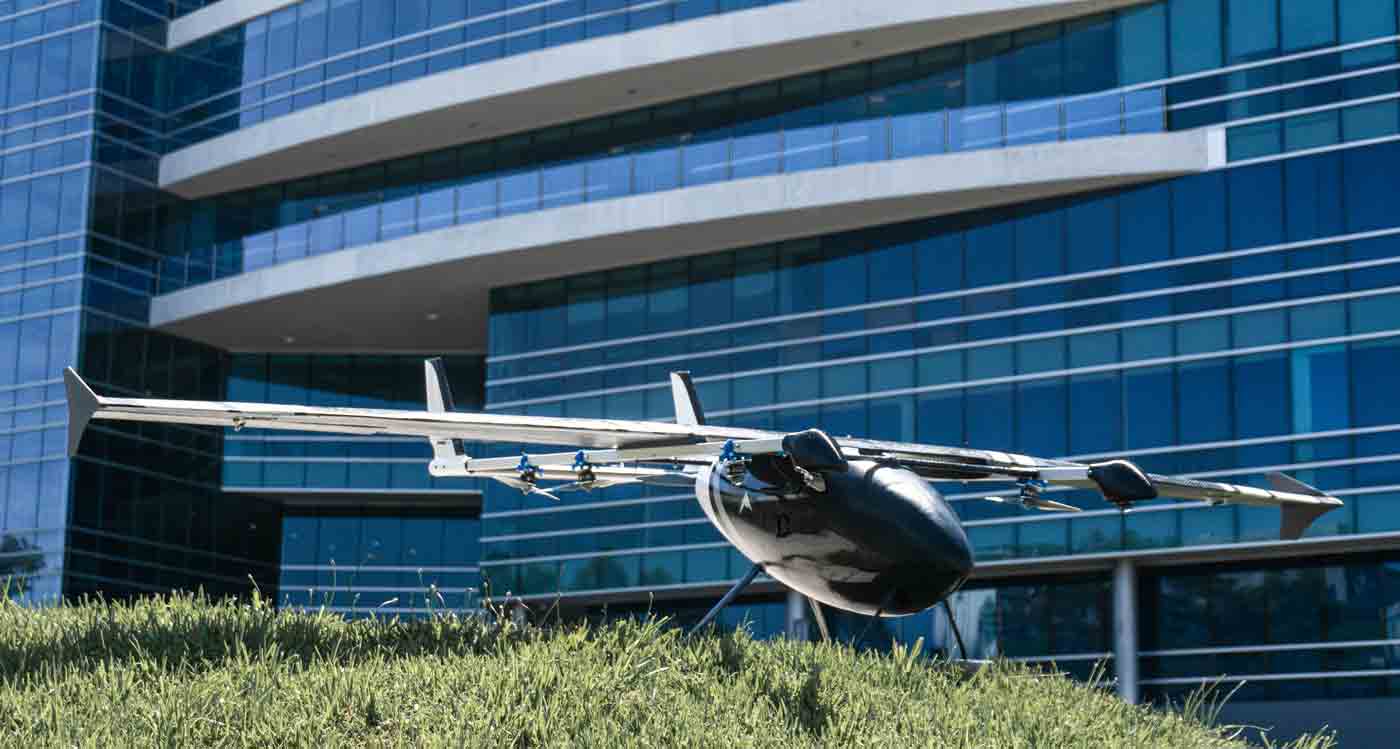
[[889, 599], [820, 617], [727, 599], [953, 625]]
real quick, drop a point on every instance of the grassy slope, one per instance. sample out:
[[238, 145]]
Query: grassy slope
[[185, 673]]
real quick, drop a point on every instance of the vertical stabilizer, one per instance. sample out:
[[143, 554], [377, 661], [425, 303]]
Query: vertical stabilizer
[[688, 411], [1297, 517], [82, 404], [439, 397]]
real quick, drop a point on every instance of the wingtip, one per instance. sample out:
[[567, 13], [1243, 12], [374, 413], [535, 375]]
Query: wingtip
[[1297, 517], [82, 404]]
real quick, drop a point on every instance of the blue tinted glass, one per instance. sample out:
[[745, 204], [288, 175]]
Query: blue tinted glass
[[1042, 413], [1144, 228], [1253, 29], [1361, 20], [1195, 35], [562, 185], [281, 32], [476, 201], [1204, 388], [1320, 389], [1092, 234], [1261, 383], [1149, 410], [918, 134], [973, 128], [1256, 205], [657, 170], [1371, 120], [990, 255], [1309, 23], [376, 21], [1093, 116], [1370, 178], [989, 417], [436, 209], [1095, 414], [343, 26], [1032, 122], [1311, 131], [1313, 194], [520, 193], [1142, 44], [608, 178], [1090, 55], [1369, 363], [1253, 141], [311, 31], [1035, 68], [362, 226], [706, 162], [1198, 214]]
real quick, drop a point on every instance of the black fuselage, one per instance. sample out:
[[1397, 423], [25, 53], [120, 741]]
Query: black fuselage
[[864, 537]]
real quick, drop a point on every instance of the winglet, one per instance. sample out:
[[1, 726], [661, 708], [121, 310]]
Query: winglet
[[439, 400], [1297, 517], [688, 410], [82, 404]]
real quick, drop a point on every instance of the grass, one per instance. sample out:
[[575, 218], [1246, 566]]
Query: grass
[[185, 672]]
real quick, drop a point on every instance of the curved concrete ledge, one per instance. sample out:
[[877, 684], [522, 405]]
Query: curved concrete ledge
[[429, 292], [216, 17], [590, 78]]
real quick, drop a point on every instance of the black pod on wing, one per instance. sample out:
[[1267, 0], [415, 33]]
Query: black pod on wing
[[814, 450], [1122, 483]]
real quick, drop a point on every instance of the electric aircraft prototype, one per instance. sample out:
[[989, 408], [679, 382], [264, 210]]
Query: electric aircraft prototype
[[852, 523]]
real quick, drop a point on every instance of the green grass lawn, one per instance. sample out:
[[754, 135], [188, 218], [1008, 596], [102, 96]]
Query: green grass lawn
[[183, 673]]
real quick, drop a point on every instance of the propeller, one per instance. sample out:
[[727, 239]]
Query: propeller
[[525, 487], [1036, 503], [1029, 497]]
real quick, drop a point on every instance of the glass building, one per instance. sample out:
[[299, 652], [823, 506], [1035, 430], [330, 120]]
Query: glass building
[[1164, 231]]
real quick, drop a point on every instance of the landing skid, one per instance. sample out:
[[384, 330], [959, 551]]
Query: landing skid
[[820, 618], [970, 666], [953, 625], [727, 599]]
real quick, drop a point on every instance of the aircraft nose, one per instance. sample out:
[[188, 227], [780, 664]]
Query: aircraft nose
[[935, 555], [957, 550]]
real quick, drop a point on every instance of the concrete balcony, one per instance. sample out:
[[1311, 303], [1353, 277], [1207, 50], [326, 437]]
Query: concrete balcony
[[429, 292], [577, 81]]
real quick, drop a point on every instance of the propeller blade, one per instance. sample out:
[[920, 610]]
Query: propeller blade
[[525, 487], [1047, 505], [588, 486], [1050, 505]]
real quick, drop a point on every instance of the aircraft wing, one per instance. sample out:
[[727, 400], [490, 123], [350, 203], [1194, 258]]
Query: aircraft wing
[[1119, 481], [85, 405], [607, 443]]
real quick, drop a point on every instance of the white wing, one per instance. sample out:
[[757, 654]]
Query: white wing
[[84, 405], [614, 441]]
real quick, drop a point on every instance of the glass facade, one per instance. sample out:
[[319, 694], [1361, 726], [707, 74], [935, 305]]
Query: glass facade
[[363, 562], [1227, 324], [256, 459], [345, 545], [1323, 629], [316, 51], [1129, 72], [48, 63], [1223, 325]]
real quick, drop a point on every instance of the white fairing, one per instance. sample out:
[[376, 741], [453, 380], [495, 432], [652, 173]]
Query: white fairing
[[705, 496]]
